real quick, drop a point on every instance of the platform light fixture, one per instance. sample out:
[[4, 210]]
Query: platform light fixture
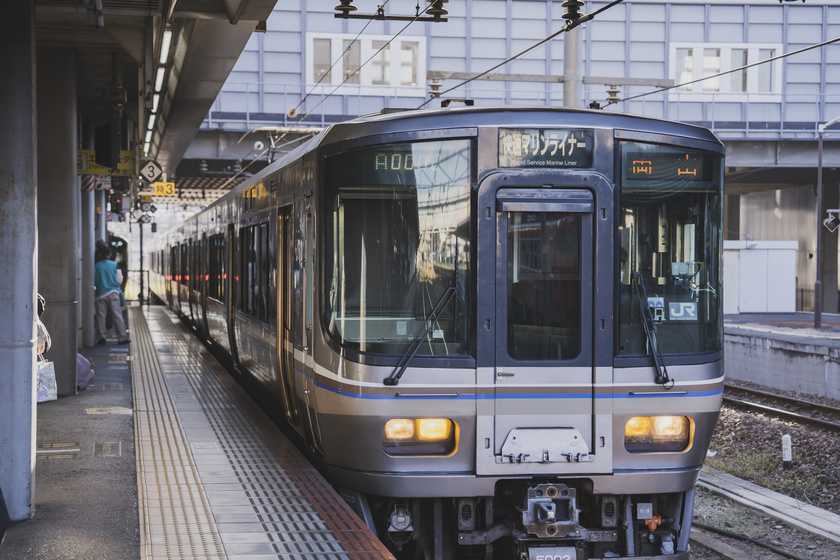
[[161, 72], [155, 102], [152, 118], [148, 137], [164, 46]]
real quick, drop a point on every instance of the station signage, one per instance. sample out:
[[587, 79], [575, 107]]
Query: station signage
[[86, 164], [164, 189]]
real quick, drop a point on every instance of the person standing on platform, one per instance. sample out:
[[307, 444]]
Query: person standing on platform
[[107, 295]]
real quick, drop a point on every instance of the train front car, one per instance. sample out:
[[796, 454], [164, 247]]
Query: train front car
[[522, 315]]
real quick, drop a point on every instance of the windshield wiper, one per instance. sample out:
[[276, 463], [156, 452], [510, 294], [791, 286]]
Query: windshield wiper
[[412, 349], [661, 375]]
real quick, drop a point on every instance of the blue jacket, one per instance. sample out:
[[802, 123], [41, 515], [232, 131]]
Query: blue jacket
[[105, 278]]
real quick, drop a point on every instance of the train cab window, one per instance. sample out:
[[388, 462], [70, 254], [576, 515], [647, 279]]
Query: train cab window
[[398, 247], [670, 238]]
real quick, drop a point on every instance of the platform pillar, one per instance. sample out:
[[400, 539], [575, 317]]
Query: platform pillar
[[59, 208], [86, 290], [18, 253], [830, 255]]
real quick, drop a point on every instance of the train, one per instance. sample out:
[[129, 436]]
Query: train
[[497, 331]]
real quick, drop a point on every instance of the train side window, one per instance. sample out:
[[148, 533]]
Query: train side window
[[216, 281], [264, 304], [173, 263], [253, 245], [246, 271]]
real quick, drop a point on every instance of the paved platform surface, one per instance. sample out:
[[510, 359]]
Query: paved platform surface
[[85, 481], [166, 457], [792, 327]]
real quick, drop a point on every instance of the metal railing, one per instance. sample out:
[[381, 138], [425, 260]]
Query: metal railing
[[758, 116]]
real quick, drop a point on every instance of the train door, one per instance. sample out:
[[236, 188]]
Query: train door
[[193, 280], [203, 281], [307, 249], [285, 314], [231, 289], [545, 417]]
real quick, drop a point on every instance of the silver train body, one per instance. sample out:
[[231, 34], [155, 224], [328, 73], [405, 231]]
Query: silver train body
[[497, 331]]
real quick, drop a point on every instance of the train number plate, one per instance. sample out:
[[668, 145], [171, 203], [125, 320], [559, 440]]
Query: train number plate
[[553, 553]]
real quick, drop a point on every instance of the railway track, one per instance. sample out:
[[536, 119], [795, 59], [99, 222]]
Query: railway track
[[780, 406]]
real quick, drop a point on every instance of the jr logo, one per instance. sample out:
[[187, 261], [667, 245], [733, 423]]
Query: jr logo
[[682, 311]]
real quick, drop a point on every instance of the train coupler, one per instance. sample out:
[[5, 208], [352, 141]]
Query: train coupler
[[550, 511], [400, 526]]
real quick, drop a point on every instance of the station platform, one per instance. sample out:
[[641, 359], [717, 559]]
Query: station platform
[[164, 456], [784, 351]]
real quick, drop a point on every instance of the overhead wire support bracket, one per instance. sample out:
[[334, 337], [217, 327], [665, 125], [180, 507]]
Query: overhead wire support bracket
[[345, 8], [391, 17]]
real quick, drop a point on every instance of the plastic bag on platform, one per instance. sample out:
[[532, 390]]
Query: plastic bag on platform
[[47, 390], [84, 372]]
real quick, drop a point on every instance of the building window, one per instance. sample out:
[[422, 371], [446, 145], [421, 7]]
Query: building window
[[685, 67], [352, 59], [408, 64], [381, 63], [691, 62], [711, 67], [321, 60], [738, 80], [366, 61], [765, 71]]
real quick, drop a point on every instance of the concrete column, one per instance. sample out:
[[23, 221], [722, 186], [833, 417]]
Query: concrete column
[[86, 288], [572, 81], [59, 201], [18, 253]]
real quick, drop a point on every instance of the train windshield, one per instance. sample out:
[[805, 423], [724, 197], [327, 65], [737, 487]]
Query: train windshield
[[669, 257], [398, 246]]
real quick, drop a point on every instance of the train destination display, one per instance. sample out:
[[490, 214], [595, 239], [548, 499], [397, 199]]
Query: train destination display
[[541, 147], [667, 164]]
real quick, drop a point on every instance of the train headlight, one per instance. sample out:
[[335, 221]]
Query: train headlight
[[420, 436], [646, 434], [398, 429]]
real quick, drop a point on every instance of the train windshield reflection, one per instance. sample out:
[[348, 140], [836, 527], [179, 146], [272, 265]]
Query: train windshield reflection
[[670, 241], [397, 238]]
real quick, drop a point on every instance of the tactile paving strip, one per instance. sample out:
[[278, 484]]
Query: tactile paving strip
[[175, 516], [267, 500]]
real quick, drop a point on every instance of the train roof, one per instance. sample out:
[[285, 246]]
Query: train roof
[[512, 116], [396, 121]]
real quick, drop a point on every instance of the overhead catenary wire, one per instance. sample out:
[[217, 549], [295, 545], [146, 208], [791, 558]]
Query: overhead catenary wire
[[568, 27], [765, 61]]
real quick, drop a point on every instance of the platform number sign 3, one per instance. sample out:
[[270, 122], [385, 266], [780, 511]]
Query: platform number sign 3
[[151, 171]]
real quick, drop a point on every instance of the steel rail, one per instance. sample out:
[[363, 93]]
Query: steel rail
[[780, 412], [789, 401]]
